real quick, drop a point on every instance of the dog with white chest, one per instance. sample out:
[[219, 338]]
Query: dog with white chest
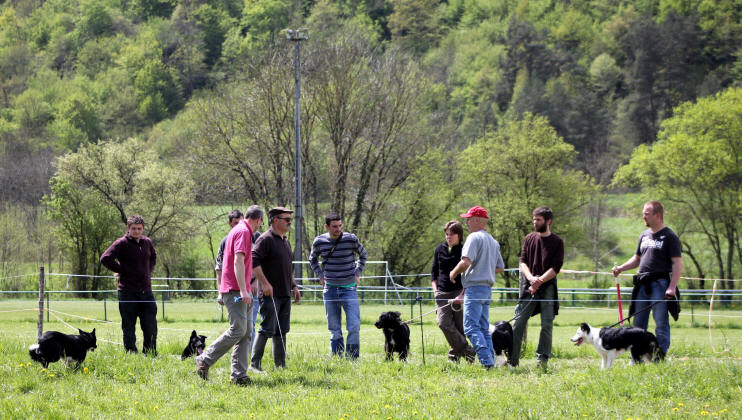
[[502, 342], [396, 335], [612, 342]]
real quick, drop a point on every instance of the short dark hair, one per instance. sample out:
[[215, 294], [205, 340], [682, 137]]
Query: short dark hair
[[331, 217], [254, 212], [234, 214], [544, 212], [657, 207], [135, 219], [456, 228]]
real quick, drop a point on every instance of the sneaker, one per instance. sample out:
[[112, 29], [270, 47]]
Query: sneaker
[[256, 370], [243, 381], [202, 370]]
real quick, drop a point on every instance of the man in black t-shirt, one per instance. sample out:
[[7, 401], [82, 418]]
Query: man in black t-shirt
[[658, 256]]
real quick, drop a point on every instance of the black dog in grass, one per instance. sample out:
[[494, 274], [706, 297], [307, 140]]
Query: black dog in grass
[[196, 346], [54, 345], [396, 335], [502, 341]]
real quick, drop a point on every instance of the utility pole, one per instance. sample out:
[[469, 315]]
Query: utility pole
[[296, 36]]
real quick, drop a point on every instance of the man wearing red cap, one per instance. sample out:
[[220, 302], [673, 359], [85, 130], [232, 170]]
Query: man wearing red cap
[[480, 261]]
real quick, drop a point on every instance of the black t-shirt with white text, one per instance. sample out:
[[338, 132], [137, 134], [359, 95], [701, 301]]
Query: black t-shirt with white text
[[656, 250]]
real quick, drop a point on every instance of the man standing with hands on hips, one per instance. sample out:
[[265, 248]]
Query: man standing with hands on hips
[[132, 258], [480, 261]]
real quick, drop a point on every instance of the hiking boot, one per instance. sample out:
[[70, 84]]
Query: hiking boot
[[202, 369], [243, 381]]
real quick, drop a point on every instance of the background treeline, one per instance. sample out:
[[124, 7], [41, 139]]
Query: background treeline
[[412, 111]]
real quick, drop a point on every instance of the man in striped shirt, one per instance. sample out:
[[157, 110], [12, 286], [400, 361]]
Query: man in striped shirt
[[339, 274]]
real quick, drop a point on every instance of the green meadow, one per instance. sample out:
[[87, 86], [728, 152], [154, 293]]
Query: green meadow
[[696, 381]]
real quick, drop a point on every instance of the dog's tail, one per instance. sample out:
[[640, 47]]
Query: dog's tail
[[33, 351]]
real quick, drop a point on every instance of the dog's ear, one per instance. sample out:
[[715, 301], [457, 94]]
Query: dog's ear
[[93, 332], [585, 327], [193, 333], [80, 331], [398, 314], [203, 338]]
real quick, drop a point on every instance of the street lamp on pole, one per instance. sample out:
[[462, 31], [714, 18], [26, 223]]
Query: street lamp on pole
[[296, 36]]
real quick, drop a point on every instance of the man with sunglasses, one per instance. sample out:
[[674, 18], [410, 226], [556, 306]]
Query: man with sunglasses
[[273, 267]]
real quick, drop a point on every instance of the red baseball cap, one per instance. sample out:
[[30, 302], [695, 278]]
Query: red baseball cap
[[475, 211]]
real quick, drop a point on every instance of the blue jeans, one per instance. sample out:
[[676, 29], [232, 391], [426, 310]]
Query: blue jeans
[[477, 322], [338, 299], [656, 293]]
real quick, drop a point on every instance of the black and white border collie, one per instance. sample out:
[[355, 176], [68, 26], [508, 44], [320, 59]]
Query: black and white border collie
[[54, 345], [502, 341], [612, 342]]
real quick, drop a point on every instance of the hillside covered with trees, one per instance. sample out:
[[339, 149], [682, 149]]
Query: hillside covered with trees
[[412, 110]]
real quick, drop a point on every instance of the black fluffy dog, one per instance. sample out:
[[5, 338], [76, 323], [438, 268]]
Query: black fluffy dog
[[54, 345], [502, 341], [396, 335], [196, 345]]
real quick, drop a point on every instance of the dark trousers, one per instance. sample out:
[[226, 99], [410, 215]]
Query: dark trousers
[[143, 306], [276, 314]]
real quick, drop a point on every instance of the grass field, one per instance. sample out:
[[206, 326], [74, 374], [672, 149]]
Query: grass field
[[695, 382]]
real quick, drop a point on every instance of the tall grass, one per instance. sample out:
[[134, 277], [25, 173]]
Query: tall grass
[[693, 382]]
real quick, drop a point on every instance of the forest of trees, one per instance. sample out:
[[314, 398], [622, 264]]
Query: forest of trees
[[412, 111]]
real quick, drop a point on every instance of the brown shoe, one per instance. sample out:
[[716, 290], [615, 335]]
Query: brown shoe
[[202, 369]]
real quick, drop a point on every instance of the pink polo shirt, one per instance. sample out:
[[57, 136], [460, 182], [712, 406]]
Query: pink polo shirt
[[239, 239]]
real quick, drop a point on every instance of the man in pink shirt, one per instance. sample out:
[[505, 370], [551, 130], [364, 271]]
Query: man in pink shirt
[[235, 292]]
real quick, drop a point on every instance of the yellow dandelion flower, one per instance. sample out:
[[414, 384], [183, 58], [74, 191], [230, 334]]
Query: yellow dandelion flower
[[680, 404], [414, 413], [155, 408], [675, 409], [704, 413], [346, 415], [43, 370], [252, 415], [389, 418], [714, 413], [51, 375], [85, 370], [136, 402], [723, 410], [387, 406], [707, 405]]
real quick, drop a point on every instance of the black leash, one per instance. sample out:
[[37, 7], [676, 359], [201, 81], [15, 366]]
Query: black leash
[[422, 334], [636, 313], [520, 314]]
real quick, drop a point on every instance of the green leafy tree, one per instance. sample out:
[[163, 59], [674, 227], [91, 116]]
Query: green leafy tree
[[85, 226], [696, 167], [523, 165]]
